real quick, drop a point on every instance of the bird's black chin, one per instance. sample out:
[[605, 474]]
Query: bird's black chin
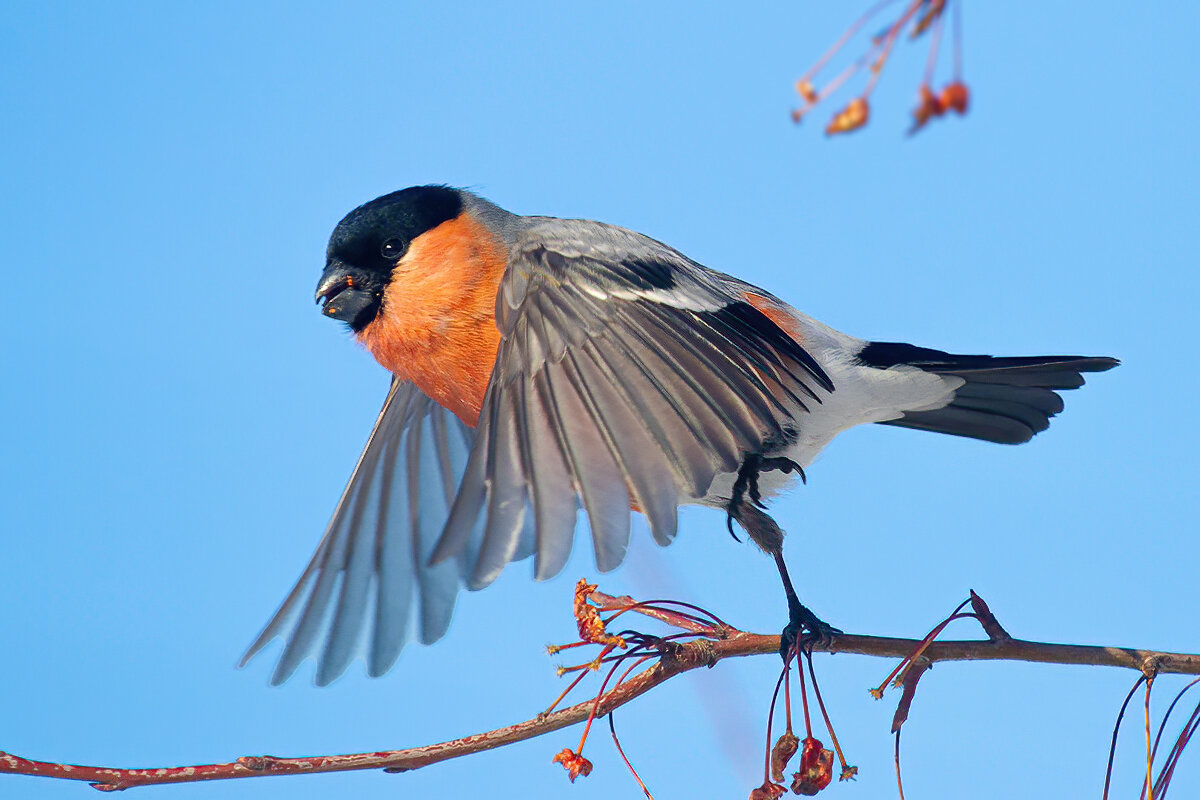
[[349, 295]]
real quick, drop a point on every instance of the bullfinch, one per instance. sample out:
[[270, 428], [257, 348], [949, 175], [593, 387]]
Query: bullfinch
[[543, 365]]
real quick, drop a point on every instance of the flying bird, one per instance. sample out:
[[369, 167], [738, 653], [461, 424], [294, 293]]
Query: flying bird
[[543, 365]]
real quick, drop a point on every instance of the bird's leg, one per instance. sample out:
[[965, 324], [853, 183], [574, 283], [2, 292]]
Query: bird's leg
[[800, 618], [767, 534]]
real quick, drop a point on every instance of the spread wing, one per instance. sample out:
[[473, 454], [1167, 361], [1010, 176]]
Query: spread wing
[[373, 562], [627, 376]]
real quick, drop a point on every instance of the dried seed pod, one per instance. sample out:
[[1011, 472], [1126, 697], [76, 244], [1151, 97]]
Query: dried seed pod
[[816, 768], [782, 753], [955, 96], [768, 791], [850, 118], [574, 763], [930, 106]]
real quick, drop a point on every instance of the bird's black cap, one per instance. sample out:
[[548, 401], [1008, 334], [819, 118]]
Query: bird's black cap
[[369, 241]]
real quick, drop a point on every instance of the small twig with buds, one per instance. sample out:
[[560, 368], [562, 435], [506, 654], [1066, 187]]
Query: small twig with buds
[[918, 17], [707, 641]]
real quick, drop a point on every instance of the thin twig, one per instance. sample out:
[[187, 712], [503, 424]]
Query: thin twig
[[1112, 750]]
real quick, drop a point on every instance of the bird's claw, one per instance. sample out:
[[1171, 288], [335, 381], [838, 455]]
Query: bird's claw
[[805, 632]]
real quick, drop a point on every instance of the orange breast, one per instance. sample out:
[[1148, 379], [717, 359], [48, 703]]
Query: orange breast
[[437, 324]]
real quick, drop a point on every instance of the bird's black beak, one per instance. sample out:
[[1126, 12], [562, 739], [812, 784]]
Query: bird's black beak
[[349, 294]]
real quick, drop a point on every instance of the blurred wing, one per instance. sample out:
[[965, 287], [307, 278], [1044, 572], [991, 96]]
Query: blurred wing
[[627, 376], [373, 561]]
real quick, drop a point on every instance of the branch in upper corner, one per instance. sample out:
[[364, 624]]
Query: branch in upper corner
[[918, 17], [713, 641]]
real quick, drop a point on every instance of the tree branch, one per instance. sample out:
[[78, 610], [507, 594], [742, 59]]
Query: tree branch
[[723, 641]]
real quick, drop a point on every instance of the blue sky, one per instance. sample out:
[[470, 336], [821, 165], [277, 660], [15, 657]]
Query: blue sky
[[181, 420]]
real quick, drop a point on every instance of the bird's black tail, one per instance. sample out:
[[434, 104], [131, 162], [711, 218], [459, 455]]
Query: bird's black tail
[[1005, 400]]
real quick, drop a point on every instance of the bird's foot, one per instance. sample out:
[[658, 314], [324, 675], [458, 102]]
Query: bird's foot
[[746, 485], [781, 464], [804, 631]]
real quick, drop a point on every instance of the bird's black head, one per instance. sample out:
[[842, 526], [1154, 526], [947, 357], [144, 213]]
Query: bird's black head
[[368, 243]]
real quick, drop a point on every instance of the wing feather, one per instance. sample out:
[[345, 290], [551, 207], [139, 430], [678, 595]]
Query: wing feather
[[358, 564], [626, 375], [555, 505], [394, 571], [370, 571], [506, 493], [669, 420], [437, 584], [734, 386], [681, 376], [601, 484], [650, 479]]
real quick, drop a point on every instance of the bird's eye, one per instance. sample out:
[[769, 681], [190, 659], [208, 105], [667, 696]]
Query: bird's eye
[[392, 249]]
